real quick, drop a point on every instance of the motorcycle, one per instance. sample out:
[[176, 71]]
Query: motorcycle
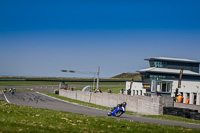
[[12, 90], [117, 111]]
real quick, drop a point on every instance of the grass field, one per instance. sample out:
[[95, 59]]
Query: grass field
[[115, 90], [27, 83], [14, 118], [43, 83]]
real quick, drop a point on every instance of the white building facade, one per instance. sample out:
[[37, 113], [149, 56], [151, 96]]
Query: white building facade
[[163, 76]]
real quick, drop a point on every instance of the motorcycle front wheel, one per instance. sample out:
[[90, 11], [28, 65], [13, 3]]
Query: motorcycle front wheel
[[109, 114]]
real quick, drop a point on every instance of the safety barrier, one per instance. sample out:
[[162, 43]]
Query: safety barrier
[[140, 104], [182, 112]]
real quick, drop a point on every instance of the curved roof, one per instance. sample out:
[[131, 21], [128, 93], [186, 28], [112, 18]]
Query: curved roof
[[172, 59], [169, 71]]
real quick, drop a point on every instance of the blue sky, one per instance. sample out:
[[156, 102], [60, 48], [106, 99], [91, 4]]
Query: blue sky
[[39, 38]]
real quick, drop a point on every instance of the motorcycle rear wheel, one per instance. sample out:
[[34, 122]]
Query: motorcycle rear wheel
[[119, 113]]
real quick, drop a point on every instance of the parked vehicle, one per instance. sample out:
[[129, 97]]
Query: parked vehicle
[[118, 110]]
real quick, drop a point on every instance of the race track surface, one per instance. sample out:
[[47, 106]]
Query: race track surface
[[41, 101]]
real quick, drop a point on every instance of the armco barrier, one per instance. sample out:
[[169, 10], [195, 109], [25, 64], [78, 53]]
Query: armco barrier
[[140, 104]]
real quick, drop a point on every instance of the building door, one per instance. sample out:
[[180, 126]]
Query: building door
[[195, 98], [164, 87]]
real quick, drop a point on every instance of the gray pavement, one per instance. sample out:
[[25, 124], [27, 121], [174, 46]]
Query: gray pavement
[[41, 101]]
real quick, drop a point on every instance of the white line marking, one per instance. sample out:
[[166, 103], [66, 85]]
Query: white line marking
[[5, 97]]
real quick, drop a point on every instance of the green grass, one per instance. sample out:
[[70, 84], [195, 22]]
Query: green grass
[[76, 101], [163, 117], [14, 118], [26, 83], [114, 90], [172, 118]]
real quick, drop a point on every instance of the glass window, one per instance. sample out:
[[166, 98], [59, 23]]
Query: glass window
[[155, 63], [151, 64], [159, 64], [169, 87]]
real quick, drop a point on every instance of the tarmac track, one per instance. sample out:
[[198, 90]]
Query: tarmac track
[[41, 101]]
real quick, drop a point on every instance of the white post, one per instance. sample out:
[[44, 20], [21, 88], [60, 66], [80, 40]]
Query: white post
[[136, 92], [93, 82], [198, 99], [139, 92], [184, 97], [191, 98], [132, 92], [98, 77]]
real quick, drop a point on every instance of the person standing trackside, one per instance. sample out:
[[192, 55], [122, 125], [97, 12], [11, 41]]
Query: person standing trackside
[[122, 91], [188, 100], [179, 98]]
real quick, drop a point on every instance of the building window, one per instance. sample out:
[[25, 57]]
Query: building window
[[159, 64], [159, 77], [151, 64], [161, 86]]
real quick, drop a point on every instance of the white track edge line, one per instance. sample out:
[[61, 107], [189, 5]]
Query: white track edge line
[[5, 97]]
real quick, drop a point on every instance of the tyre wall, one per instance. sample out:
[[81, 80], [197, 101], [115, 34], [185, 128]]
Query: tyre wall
[[189, 106]]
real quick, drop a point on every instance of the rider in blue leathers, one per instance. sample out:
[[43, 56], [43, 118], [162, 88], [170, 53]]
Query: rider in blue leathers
[[118, 110]]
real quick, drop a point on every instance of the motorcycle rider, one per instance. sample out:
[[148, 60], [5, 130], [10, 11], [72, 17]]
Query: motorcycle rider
[[119, 105], [12, 90]]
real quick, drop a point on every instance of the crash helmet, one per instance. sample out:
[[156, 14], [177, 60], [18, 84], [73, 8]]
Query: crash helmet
[[124, 103]]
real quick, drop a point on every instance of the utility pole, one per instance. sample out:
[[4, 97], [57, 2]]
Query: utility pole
[[98, 77]]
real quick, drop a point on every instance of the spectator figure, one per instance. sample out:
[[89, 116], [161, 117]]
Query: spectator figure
[[122, 91], [157, 93], [66, 86], [188, 100], [176, 92], [195, 101], [5, 90], [109, 91], [129, 91], [98, 90], [179, 98]]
